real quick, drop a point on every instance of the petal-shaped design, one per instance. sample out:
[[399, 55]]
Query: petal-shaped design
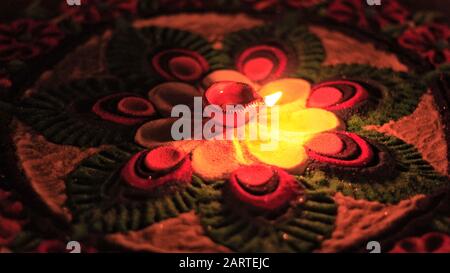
[[372, 166], [270, 52], [354, 151], [337, 95], [263, 188], [124, 108], [288, 155], [87, 112], [159, 53], [159, 132], [214, 160], [286, 220], [148, 170], [166, 95], [366, 95], [294, 92], [124, 188], [262, 62]]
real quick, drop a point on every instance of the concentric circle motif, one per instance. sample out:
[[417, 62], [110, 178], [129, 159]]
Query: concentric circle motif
[[350, 150], [258, 208], [269, 52], [180, 64], [127, 109], [373, 167], [264, 188], [365, 95], [162, 54], [337, 95], [87, 112], [127, 188], [262, 62], [148, 170], [264, 209]]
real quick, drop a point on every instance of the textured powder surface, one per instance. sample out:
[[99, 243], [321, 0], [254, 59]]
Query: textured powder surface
[[87, 60], [45, 165], [214, 160], [342, 49], [424, 130], [181, 234], [358, 221]]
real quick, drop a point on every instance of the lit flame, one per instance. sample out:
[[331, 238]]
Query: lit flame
[[271, 100]]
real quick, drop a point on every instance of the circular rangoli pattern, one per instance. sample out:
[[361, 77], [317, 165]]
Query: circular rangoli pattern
[[244, 198]]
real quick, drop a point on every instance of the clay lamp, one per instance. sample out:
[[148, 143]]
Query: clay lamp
[[264, 188], [234, 99], [150, 169]]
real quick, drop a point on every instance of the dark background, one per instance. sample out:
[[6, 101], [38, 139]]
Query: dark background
[[10, 9]]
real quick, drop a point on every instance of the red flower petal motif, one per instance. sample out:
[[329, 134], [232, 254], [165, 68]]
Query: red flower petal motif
[[11, 217], [124, 108], [97, 11], [26, 39], [340, 148], [149, 170], [263, 188], [337, 95], [433, 242], [180, 64], [262, 62], [365, 16], [432, 42]]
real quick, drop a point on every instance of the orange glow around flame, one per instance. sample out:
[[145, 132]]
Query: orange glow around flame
[[282, 144]]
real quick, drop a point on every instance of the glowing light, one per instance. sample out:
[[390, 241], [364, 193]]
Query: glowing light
[[271, 100], [295, 92], [283, 145]]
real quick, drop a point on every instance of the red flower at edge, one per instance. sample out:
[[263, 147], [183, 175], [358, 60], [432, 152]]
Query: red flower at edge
[[97, 11], [365, 16], [26, 39], [432, 42]]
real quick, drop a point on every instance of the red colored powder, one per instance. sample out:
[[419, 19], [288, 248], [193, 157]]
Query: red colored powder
[[324, 97], [256, 175], [326, 144], [163, 158], [136, 107], [185, 68], [183, 64], [258, 69]]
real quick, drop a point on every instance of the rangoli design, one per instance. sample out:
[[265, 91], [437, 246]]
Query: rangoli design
[[93, 144]]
